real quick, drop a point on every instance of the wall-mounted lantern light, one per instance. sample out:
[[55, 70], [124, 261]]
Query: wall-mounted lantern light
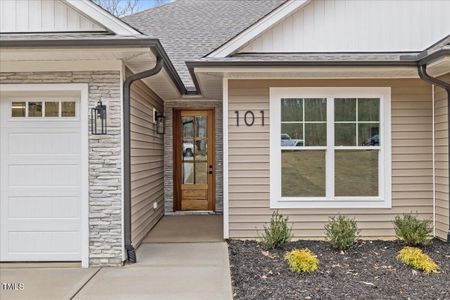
[[160, 123], [98, 119]]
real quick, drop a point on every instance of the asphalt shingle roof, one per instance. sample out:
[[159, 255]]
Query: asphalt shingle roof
[[190, 29]]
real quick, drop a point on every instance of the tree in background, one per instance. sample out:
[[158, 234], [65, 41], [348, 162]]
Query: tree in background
[[119, 8], [122, 8]]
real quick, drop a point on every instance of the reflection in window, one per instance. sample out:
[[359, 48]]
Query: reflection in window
[[200, 150], [18, 109], [303, 173], [67, 109], [34, 109], [201, 126], [357, 122], [201, 173], [303, 122], [188, 150], [52, 109], [356, 173], [188, 173], [187, 127], [194, 149]]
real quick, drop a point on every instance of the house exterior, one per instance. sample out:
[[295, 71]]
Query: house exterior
[[238, 108]]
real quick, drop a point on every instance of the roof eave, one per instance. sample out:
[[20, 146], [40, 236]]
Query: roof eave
[[154, 44]]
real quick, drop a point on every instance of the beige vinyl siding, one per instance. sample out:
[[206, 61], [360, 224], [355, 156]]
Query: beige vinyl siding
[[441, 150], [147, 162], [249, 160]]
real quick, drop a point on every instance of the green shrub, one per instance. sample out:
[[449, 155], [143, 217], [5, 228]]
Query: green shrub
[[342, 232], [412, 230], [301, 260], [277, 233], [415, 258]]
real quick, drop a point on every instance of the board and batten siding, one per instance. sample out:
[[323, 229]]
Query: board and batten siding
[[249, 182], [147, 162], [43, 16], [441, 160], [357, 26]]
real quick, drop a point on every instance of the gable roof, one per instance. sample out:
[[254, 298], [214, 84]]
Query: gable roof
[[59, 16], [190, 29], [275, 16]]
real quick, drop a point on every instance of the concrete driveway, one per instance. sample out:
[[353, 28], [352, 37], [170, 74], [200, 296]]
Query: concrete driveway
[[164, 271], [43, 283]]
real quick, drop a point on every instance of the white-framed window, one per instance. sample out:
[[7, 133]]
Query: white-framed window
[[330, 147]]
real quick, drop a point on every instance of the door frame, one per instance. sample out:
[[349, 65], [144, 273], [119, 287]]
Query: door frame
[[83, 90], [176, 115]]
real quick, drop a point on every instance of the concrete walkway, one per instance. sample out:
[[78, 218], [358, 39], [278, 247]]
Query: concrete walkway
[[174, 269], [187, 229], [167, 271]]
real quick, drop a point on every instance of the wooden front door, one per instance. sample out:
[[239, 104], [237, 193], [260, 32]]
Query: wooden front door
[[194, 141]]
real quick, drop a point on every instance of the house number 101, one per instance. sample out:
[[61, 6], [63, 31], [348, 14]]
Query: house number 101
[[249, 117]]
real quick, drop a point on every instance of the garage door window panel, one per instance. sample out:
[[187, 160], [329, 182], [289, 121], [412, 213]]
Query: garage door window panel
[[42, 109]]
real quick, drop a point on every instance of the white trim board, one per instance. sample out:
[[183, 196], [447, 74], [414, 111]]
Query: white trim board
[[83, 90], [308, 72], [258, 28], [55, 66], [226, 203], [103, 17], [384, 200]]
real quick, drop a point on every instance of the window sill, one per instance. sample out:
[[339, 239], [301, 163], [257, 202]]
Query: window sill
[[326, 203]]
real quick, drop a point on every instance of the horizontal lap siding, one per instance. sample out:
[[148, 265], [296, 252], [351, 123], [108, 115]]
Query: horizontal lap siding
[[249, 182], [441, 150], [147, 162]]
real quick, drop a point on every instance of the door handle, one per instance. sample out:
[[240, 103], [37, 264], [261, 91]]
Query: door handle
[[210, 169]]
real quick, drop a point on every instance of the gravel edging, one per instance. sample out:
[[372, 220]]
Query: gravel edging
[[369, 270]]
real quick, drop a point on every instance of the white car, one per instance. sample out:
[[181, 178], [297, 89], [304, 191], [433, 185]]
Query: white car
[[286, 140]]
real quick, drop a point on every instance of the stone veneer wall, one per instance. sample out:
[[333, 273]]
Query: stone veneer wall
[[105, 167], [168, 148]]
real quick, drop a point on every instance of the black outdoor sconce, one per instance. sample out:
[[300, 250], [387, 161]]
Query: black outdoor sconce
[[98, 119], [160, 123]]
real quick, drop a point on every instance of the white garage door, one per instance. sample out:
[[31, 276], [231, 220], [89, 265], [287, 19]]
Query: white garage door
[[40, 179]]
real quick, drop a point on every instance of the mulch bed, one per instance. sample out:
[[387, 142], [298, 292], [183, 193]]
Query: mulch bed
[[369, 270]]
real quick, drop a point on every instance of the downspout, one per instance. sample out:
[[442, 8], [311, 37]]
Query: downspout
[[422, 69], [131, 251]]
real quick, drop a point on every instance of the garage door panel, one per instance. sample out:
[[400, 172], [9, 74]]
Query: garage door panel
[[39, 126], [40, 159], [44, 242], [44, 192], [29, 175], [43, 207], [43, 224], [49, 143]]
